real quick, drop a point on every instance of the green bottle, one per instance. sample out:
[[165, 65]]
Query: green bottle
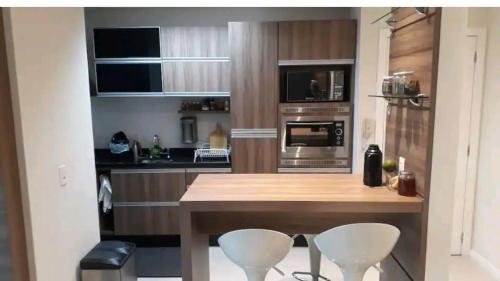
[[156, 149]]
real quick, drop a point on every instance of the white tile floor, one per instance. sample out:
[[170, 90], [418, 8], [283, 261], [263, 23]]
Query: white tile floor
[[221, 269]]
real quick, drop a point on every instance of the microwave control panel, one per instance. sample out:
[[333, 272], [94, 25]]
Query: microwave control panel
[[338, 133]]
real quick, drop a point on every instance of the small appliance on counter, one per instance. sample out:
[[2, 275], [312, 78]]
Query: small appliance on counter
[[119, 143], [372, 175], [189, 130]]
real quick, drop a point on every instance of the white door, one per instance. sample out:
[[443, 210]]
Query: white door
[[470, 108]]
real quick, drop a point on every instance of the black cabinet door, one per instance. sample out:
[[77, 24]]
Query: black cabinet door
[[129, 77], [127, 42]]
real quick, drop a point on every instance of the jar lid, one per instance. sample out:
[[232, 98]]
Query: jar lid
[[406, 173]]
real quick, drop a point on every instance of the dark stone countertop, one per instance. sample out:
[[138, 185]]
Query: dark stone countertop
[[180, 158]]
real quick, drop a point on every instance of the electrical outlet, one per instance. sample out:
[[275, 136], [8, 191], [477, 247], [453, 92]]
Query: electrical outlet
[[63, 175], [401, 165], [368, 128]]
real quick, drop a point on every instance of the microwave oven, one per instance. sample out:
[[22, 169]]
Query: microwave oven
[[314, 84]]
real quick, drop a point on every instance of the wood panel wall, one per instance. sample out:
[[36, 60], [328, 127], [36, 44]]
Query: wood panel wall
[[409, 131], [13, 254]]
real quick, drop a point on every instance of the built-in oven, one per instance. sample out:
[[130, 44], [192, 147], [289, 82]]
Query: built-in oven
[[315, 136]]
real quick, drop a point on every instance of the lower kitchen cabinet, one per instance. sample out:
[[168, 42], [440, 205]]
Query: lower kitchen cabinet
[[146, 220], [146, 201], [254, 155], [148, 185]]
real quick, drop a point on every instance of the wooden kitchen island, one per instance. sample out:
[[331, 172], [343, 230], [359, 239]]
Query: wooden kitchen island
[[291, 203]]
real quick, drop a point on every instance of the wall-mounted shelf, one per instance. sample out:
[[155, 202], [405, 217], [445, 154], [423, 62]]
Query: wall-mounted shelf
[[417, 100]]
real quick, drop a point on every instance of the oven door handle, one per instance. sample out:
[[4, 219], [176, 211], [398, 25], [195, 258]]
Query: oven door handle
[[309, 123]]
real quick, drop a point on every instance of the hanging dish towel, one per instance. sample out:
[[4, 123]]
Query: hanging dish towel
[[105, 193]]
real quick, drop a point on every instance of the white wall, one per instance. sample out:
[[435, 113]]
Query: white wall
[[486, 233], [49, 77], [366, 82], [453, 30], [142, 118]]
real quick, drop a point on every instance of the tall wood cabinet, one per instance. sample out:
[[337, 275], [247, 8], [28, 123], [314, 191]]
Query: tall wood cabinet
[[254, 96], [317, 40]]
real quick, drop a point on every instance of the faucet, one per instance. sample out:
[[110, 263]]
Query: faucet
[[137, 150]]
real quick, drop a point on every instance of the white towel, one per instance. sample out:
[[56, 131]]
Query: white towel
[[105, 193]]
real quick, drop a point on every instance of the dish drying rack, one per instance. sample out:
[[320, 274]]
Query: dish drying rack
[[203, 150]]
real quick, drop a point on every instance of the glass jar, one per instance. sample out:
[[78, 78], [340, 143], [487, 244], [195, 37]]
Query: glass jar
[[407, 184], [387, 86]]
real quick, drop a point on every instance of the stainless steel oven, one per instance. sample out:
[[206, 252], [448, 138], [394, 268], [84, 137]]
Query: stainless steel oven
[[315, 135]]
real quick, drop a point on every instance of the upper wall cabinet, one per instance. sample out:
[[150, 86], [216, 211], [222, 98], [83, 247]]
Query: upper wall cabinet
[[127, 42], [254, 74], [317, 40], [196, 76], [195, 42]]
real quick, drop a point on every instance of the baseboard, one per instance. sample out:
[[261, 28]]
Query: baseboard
[[485, 264]]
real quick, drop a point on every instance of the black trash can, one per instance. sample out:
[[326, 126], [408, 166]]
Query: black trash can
[[109, 261]]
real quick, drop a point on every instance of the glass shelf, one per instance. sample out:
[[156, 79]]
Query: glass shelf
[[417, 100]]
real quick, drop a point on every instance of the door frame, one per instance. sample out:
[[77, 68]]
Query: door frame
[[468, 162], [10, 179], [384, 48]]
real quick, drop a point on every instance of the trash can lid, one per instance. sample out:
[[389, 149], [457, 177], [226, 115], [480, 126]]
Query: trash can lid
[[117, 246], [103, 259]]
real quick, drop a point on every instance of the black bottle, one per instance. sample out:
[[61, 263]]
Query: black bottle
[[372, 175]]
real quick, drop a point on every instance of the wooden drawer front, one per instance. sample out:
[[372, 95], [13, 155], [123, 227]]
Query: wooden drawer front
[[196, 76], [315, 40], [209, 41], [145, 220], [137, 186]]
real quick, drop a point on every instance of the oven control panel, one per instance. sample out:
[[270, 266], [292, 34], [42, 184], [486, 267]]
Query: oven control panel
[[338, 133]]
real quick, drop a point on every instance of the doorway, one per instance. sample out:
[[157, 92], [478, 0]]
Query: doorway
[[468, 142]]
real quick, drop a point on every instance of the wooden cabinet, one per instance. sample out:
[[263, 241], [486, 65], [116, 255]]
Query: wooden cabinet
[[254, 74], [146, 201], [196, 76], [317, 40], [254, 96], [254, 155], [146, 220], [195, 41]]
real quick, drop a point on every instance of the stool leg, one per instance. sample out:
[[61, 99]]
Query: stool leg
[[256, 274], [353, 274], [314, 257]]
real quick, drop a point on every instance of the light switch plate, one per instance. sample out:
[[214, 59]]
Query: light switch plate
[[63, 175]]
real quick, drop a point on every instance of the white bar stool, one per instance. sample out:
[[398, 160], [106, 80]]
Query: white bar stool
[[256, 251], [357, 247], [314, 261]]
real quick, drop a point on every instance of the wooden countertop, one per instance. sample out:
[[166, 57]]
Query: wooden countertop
[[293, 192]]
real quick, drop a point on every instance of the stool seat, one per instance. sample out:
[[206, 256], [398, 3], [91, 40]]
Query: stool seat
[[357, 247], [256, 251]]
